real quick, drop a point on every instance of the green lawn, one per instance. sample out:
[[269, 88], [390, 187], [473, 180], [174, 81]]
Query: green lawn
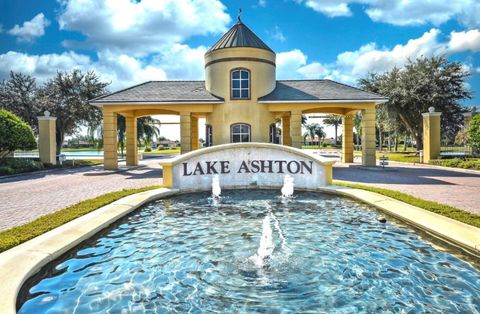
[[17, 235], [442, 209]]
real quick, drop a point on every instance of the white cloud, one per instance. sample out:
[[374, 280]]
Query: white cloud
[[141, 27], [277, 34], [262, 3], [477, 70], [402, 12], [349, 66], [331, 8], [289, 62], [464, 41], [122, 70], [30, 30]]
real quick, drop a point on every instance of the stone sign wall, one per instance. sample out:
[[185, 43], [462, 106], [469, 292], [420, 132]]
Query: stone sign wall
[[246, 165]]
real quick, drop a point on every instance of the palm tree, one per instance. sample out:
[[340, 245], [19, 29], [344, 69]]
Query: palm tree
[[320, 133], [335, 121], [147, 129]]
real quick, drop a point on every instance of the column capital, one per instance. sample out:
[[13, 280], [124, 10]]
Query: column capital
[[44, 118]]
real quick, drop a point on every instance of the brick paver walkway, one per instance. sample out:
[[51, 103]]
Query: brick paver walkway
[[26, 197], [459, 189]]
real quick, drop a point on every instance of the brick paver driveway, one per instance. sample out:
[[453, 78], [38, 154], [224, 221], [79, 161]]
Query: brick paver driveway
[[459, 189], [26, 197]]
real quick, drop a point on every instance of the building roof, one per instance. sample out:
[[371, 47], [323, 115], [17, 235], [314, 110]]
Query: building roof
[[162, 92], [239, 36], [195, 92], [317, 90]]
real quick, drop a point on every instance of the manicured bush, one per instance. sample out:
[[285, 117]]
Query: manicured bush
[[19, 165], [474, 133], [14, 134], [148, 149], [469, 163]]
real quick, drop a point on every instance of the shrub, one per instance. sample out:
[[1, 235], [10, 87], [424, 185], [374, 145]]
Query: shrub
[[148, 149], [471, 163], [162, 148], [19, 165], [14, 134], [474, 132]]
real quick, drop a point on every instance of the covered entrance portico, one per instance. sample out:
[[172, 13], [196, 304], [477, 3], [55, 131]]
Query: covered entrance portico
[[189, 137], [291, 115]]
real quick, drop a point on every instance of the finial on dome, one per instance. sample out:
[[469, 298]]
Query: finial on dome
[[239, 20]]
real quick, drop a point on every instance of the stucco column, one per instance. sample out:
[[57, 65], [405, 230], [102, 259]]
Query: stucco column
[[431, 135], [347, 139], [131, 137], [47, 147], [110, 161], [286, 139], [296, 128], [186, 132], [194, 130], [368, 137]]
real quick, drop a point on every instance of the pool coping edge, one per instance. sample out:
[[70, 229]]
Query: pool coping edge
[[23, 261]]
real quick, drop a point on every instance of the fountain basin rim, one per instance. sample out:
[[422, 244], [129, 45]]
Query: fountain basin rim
[[23, 261]]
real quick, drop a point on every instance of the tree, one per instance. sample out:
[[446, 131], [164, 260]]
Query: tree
[[474, 133], [314, 130], [146, 130], [335, 121], [320, 134], [14, 134], [18, 95], [66, 96], [420, 84]]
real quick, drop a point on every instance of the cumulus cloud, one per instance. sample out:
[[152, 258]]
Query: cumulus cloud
[[30, 30], [464, 41], [289, 62], [400, 12], [122, 70], [141, 27], [349, 66]]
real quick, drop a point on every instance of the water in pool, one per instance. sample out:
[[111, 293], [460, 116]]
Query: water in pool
[[252, 251]]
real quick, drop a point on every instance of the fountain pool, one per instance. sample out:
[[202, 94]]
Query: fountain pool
[[189, 253]]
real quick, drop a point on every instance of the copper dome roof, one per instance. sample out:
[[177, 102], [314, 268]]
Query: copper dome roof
[[239, 36]]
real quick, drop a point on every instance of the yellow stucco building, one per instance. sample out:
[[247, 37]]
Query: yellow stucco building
[[241, 100]]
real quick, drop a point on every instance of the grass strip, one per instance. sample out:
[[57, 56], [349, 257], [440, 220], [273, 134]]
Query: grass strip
[[17, 235], [441, 209]]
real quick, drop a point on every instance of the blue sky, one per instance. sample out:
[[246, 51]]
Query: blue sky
[[128, 42]]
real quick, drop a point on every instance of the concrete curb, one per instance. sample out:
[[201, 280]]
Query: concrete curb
[[24, 260]]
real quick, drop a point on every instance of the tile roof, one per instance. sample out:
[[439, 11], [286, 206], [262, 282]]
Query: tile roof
[[239, 36], [312, 90], [161, 91], [195, 92]]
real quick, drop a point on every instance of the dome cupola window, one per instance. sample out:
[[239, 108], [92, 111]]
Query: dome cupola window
[[240, 84]]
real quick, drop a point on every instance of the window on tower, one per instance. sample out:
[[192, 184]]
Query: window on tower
[[240, 84]]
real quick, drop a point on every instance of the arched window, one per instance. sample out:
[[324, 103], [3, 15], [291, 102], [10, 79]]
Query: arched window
[[240, 133], [240, 84], [208, 135]]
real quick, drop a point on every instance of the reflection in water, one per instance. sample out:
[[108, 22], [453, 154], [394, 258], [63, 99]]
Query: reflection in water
[[324, 254]]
